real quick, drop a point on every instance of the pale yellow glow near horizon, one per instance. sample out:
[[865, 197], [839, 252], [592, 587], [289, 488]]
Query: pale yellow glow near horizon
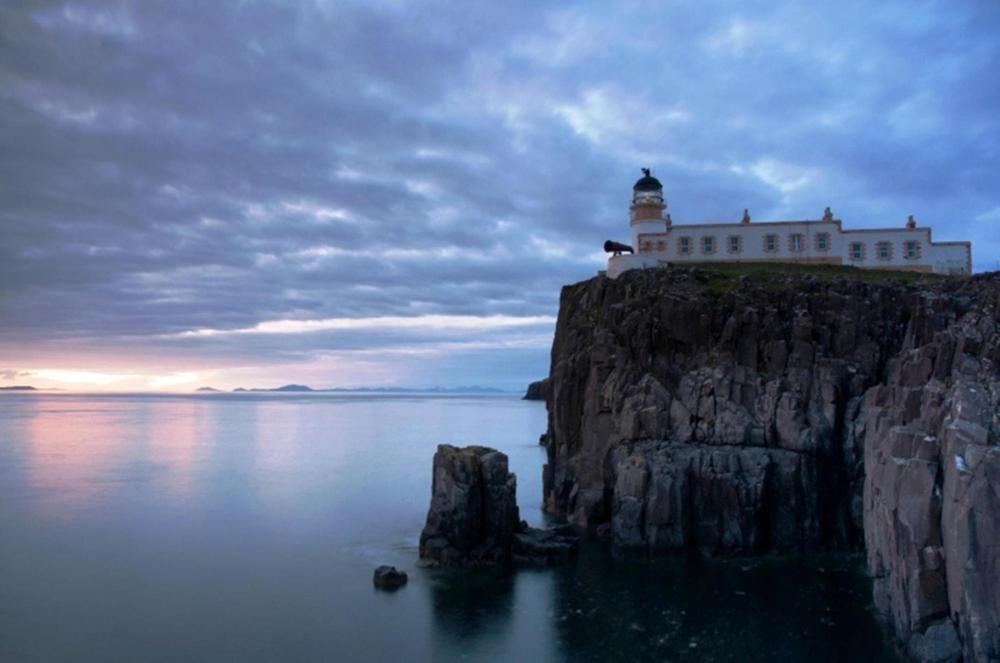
[[89, 378], [78, 377], [174, 379], [380, 366]]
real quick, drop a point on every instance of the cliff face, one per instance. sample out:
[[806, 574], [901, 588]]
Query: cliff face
[[932, 485], [537, 391], [738, 414]]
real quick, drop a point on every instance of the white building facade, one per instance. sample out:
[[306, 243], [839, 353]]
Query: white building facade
[[658, 242]]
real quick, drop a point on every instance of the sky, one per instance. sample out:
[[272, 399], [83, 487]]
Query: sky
[[393, 193]]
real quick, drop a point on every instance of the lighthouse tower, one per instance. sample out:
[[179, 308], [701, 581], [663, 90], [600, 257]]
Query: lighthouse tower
[[647, 209]]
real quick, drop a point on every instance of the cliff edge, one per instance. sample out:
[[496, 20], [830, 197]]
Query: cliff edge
[[537, 391], [748, 410]]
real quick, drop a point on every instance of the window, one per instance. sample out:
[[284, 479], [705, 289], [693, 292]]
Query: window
[[684, 246], [857, 251], [770, 243], [883, 250], [822, 241], [734, 243], [795, 242], [661, 245], [911, 249], [708, 245]]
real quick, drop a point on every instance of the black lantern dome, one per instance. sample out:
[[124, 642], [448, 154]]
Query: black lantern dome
[[647, 182]]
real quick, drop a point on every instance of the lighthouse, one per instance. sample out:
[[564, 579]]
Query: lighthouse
[[647, 210], [657, 242]]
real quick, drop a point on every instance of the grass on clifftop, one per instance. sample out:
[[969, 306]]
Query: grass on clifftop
[[724, 276]]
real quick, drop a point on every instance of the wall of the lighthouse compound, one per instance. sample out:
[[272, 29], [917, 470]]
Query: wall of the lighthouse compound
[[642, 227], [810, 242]]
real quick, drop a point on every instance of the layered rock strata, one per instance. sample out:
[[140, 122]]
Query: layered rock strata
[[734, 414], [932, 485]]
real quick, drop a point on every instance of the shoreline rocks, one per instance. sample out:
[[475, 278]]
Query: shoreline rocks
[[473, 513], [473, 519], [544, 547]]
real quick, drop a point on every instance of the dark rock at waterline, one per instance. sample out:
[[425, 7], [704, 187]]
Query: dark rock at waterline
[[939, 643], [473, 513], [544, 546], [389, 577], [473, 517], [537, 391], [742, 414]]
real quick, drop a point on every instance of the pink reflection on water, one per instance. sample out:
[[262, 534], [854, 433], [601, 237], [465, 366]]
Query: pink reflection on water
[[176, 436], [72, 447], [81, 452]]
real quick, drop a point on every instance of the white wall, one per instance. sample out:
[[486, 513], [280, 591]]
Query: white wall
[[941, 258]]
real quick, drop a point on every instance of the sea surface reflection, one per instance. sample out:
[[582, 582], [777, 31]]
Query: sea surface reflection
[[246, 527]]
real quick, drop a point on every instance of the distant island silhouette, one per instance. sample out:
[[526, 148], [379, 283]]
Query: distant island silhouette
[[301, 388]]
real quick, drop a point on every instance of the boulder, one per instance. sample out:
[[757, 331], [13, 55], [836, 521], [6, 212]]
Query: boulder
[[389, 577], [938, 644]]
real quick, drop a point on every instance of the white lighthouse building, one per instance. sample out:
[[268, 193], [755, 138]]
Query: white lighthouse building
[[658, 242]]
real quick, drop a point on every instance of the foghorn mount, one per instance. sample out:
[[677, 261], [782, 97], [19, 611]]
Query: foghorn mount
[[617, 248]]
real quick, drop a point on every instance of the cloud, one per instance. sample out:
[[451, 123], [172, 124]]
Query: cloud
[[77, 377], [174, 379], [609, 115], [173, 167], [783, 176], [8, 374], [442, 323], [736, 38]]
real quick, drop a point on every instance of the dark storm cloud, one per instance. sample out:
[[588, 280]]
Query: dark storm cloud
[[171, 166]]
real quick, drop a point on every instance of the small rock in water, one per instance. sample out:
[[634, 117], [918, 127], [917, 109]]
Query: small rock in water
[[389, 577]]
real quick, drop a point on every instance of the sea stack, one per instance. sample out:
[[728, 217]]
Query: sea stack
[[473, 514], [473, 517]]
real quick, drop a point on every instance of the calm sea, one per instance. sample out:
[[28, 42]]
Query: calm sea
[[244, 527]]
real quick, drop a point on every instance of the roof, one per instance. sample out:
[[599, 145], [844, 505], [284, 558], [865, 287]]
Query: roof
[[647, 182]]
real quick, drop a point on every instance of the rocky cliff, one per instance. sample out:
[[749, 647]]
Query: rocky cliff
[[537, 391], [752, 410]]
